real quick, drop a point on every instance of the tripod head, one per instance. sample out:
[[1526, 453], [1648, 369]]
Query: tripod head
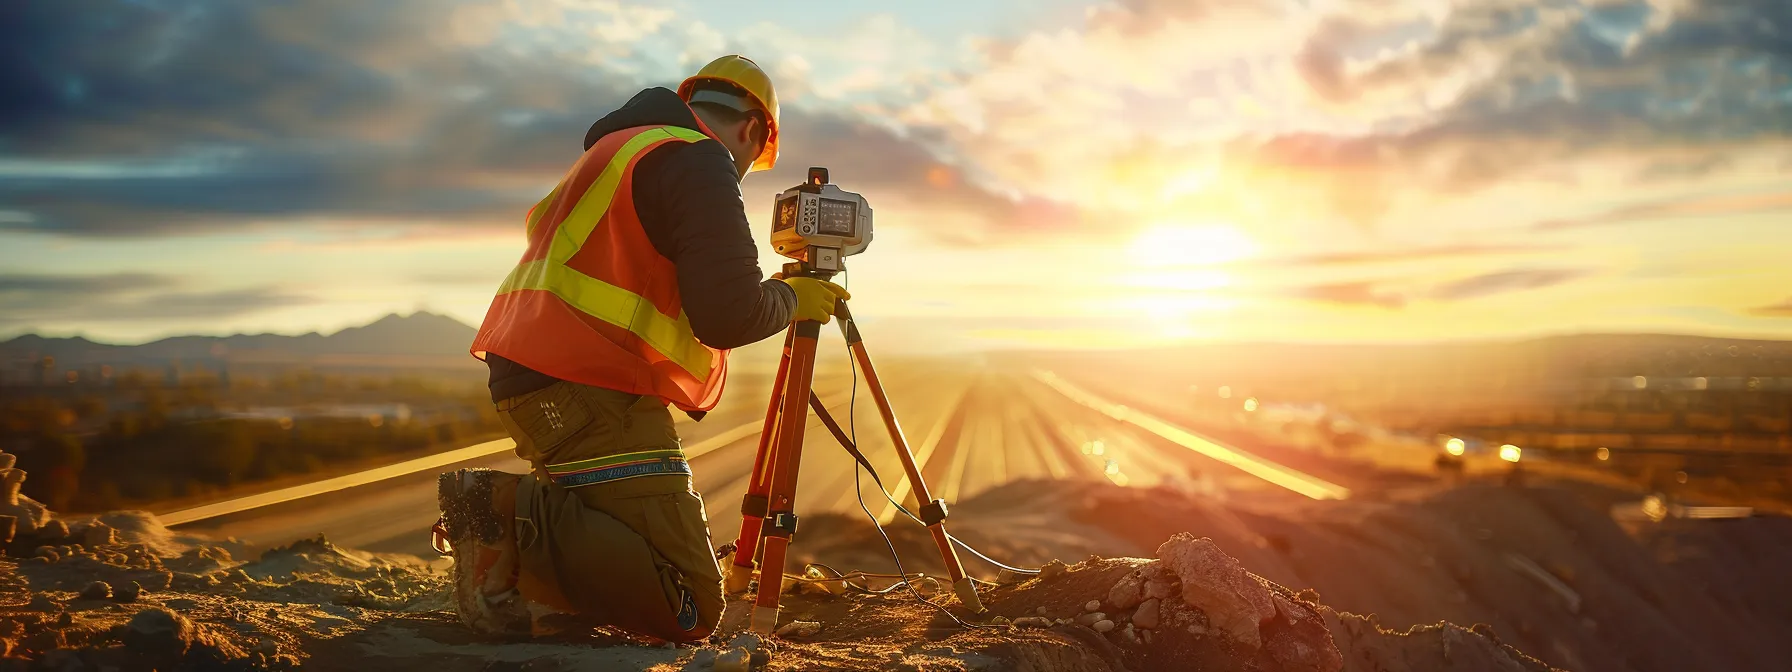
[[819, 225], [803, 269]]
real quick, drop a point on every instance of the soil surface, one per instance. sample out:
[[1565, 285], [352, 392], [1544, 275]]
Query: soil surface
[[1538, 578]]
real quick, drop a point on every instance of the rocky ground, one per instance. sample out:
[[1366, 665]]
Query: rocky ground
[[120, 592]]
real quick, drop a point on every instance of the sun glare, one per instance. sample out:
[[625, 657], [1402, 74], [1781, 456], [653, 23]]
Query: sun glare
[[1186, 244]]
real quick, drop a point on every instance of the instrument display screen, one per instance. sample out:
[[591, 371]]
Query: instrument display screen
[[838, 217]]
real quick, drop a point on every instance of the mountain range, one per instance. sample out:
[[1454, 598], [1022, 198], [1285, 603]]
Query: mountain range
[[421, 339]]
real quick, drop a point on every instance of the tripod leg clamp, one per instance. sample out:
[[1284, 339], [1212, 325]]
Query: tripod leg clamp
[[934, 512], [755, 506], [780, 524]]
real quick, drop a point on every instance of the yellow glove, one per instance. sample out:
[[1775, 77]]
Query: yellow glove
[[814, 298]]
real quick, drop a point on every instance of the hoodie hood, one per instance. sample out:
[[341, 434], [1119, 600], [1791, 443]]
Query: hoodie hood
[[657, 106]]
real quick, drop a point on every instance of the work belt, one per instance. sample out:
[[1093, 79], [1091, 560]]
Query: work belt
[[666, 462]]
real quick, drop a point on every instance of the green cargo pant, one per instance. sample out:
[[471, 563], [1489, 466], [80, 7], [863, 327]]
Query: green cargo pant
[[622, 539]]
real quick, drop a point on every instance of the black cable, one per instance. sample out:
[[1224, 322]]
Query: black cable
[[858, 490], [852, 424]]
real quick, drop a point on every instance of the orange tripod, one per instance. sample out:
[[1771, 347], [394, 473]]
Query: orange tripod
[[768, 510]]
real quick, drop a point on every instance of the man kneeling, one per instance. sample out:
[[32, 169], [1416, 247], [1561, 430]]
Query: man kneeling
[[639, 275]]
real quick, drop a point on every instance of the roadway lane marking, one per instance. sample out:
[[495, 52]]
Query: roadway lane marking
[[240, 504], [924, 453], [436, 461], [1276, 474]]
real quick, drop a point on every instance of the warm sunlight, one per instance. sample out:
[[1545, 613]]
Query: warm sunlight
[[1191, 244]]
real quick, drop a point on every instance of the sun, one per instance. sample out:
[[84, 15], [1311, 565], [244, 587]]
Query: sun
[[1191, 244]]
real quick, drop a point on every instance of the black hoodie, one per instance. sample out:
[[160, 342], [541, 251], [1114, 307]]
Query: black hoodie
[[688, 198]]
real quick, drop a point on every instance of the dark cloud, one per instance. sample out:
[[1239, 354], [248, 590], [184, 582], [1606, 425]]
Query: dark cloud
[[1502, 282], [135, 118], [1781, 309], [1567, 81], [81, 284], [28, 299]]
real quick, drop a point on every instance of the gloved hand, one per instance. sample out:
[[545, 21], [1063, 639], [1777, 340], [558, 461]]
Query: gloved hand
[[814, 298]]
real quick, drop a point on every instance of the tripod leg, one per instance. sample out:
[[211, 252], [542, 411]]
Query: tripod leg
[[780, 523], [753, 505], [933, 511]]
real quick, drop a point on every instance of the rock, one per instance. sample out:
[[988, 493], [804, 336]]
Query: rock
[[1041, 611], [1127, 592], [733, 660], [1052, 570], [98, 534], [1032, 622], [65, 619], [97, 590], [1092, 605], [1146, 616], [267, 647], [1308, 595], [1091, 618], [799, 629], [1159, 588], [750, 641], [128, 592], [1306, 643], [1146, 636], [1103, 625], [62, 660], [1234, 602], [1001, 620], [54, 530], [47, 553], [159, 632]]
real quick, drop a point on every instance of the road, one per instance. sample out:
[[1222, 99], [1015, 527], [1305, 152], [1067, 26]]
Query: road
[[970, 428]]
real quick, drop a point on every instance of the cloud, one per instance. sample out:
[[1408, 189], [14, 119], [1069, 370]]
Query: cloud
[[1781, 309], [1502, 282], [81, 284], [135, 119], [131, 119], [1395, 295], [1404, 254], [1717, 205], [1353, 110], [1352, 293], [27, 299]]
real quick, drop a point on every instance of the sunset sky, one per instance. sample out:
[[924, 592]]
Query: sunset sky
[[1044, 173]]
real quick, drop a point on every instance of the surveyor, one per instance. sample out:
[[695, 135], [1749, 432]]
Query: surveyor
[[640, 274]]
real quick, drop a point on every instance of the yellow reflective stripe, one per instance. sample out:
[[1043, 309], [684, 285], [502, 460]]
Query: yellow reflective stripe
[[579, 224], [613, 460], [670, 337], [618, 306], [540, 210]]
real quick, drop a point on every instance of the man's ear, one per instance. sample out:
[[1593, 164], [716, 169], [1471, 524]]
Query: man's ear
[[750, 128]]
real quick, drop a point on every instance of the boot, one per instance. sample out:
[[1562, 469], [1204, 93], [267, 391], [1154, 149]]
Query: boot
[[478, 535]]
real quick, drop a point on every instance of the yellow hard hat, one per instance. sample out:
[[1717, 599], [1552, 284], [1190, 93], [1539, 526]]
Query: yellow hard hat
[[741, 72]]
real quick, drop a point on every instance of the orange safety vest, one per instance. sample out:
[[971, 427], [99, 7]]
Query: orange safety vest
[[592, 301]]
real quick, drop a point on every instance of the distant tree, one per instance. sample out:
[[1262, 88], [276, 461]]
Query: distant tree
[[61, 457], [223, 452]]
